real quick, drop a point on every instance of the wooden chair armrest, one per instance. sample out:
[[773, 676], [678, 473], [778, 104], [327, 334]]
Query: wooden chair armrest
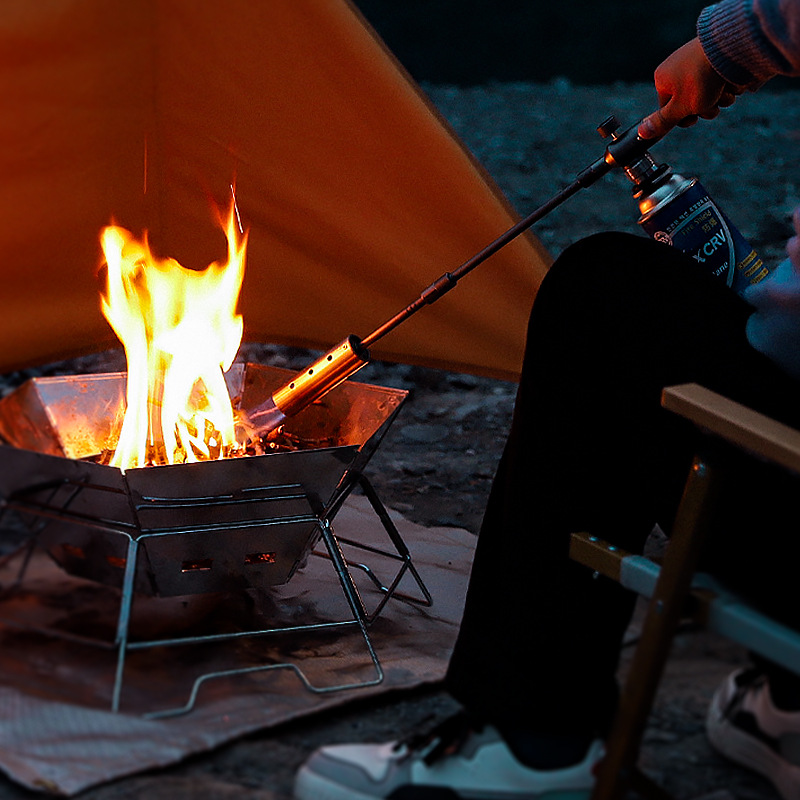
[[737, 424]]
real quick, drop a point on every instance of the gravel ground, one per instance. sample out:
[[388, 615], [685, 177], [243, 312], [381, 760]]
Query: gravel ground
[[437, 461]]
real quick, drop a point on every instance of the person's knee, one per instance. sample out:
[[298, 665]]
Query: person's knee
[[614, 264], [603, 263]]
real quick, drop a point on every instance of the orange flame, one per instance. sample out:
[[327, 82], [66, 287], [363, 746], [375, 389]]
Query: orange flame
[[180, 332]]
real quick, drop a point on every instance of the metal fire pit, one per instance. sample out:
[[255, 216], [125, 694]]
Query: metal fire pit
[[211, 526]]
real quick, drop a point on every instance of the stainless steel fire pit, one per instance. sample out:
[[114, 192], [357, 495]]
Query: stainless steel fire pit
[[187, 529]]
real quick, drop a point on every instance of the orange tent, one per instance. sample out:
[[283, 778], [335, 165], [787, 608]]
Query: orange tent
[[356, 194]]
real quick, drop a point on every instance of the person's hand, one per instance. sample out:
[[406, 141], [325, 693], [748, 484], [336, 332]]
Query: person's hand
[[774, 327], [688, 88]]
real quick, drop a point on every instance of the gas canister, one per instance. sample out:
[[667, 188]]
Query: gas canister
[[680, 212]]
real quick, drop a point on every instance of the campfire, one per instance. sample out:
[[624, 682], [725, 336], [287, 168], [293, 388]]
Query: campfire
[[153, 481], [168, 446]]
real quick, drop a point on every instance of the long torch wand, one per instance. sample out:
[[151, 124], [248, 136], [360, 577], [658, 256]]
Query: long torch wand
[[350, 355]]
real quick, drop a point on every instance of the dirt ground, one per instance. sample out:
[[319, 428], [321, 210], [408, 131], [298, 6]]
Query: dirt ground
[[436, 463]]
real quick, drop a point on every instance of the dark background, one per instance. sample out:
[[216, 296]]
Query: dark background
[[468, 42]]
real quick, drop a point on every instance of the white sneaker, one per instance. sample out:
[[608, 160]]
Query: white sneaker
[[451, 763], [744, 725]]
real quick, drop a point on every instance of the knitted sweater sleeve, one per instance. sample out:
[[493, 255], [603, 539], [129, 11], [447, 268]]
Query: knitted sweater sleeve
[[750, 41]]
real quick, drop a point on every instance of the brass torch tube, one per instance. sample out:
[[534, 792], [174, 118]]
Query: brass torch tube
[[320, 377]]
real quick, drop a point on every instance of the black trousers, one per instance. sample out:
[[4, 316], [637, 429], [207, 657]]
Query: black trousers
[[617, 318]]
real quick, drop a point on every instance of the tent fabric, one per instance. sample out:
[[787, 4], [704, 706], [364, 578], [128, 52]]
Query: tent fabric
[[355, 193]]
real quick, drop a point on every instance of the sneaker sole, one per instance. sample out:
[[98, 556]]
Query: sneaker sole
[[311, 786], [743, 749]]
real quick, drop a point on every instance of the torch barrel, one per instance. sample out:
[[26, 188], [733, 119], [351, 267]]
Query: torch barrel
[[313, 382]]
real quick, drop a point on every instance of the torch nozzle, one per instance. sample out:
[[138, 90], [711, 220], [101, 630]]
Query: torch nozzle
[[313, 382]]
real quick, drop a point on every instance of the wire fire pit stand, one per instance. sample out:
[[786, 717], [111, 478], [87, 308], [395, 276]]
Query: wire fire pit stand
[[205, 527]]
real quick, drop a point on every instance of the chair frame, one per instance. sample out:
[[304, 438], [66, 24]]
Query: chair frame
[[675, 582]]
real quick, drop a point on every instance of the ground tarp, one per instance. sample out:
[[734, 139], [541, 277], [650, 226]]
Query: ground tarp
[[58, 735], [356, 194]]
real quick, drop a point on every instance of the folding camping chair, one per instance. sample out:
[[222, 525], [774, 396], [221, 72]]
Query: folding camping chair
[[674, 588]]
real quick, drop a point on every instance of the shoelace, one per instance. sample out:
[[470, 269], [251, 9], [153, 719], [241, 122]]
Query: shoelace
[[444, 739]]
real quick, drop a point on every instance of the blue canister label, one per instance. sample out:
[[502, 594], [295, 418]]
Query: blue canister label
[[693, 223]]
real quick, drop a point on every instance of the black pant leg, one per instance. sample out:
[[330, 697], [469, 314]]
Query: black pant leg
[[617, 318]]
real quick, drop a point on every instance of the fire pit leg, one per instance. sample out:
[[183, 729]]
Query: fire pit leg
[[401, 553], [29, 546], [123, 621], [402, 550], [350, 591]]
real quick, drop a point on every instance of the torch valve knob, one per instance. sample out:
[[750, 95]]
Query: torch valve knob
[[608, 127]]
